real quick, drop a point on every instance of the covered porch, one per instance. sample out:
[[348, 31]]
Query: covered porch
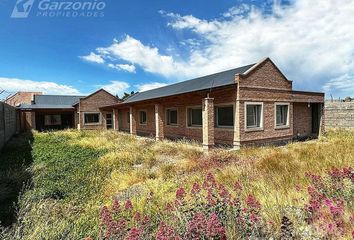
[[308, 114], [49, 119], [202, 116]]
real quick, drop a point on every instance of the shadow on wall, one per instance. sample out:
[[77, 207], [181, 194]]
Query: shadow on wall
[[15, 160]]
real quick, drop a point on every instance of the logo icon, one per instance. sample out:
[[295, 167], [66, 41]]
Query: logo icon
[[22, 8]]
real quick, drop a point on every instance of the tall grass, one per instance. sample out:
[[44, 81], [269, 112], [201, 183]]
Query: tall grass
[[74, 173]]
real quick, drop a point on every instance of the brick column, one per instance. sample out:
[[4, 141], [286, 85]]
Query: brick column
[[159, 122], [115, 119], [208, 123], [33, 120], [79, 117], [133, 118], [237, 124]]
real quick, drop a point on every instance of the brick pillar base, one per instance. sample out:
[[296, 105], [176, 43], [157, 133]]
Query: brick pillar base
[[208, 123], [133, 118], [159, 122], [115, 120], [33, 120], [237, 135]]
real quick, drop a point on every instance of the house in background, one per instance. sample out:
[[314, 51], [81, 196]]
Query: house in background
[[16, 100], [21, 98], [46, 112], [253, 104]]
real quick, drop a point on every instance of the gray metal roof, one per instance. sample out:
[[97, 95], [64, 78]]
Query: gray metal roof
[[45, 106], [56, 99], [52, 102], [201, 83]]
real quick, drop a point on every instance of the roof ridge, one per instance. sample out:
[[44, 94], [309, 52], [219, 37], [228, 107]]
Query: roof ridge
[[209, 75], [222, 78], [61, 95]]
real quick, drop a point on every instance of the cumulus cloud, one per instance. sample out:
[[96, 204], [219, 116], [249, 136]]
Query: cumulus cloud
[[193, 23], [93, 57], [14, 85], [343, 85], [311, 42], [149, 86], [115, 87], [133, 51], [124, 67]]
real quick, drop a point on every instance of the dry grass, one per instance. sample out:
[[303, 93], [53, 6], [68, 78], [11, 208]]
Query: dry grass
[[129, 167]]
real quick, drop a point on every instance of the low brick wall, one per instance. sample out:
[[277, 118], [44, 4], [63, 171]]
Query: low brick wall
[[339, 114], [9, 123]]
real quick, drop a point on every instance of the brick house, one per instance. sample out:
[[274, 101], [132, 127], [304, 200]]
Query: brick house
[[66, 111], [16, 100], [253, 104]]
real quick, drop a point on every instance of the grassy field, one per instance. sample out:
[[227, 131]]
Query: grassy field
[[70, 175]]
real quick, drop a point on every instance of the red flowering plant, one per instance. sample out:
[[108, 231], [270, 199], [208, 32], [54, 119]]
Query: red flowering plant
[[208, 210], [328, 198], [121, 222]]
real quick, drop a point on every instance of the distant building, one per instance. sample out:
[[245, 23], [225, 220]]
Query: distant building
[[21, 98], [46, 112]]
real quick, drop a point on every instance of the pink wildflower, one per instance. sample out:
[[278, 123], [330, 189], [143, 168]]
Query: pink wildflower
[[214, 228], [116, 206], [252, 202], [128, 205], [133, 234], [195, 188], [180, 193]]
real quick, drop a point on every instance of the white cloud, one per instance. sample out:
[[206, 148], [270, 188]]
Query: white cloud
[[124, 67], [93, 57], [134, 52], [116, 87], [311, 42], [191, 22], [343, 85], [149, 86], [14, 85]]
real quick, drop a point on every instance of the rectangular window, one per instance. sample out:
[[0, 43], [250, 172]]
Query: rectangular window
[[91, 118], [224, 116], [254, 115], [172, 117], [51, 120], [195, 117], [142, 117], [109, 120], [282, 112], [128, 117]]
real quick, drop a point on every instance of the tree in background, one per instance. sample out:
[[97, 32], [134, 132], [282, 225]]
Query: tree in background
[[126, 95]]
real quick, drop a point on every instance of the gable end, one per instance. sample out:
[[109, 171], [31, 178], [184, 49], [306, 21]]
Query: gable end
[[265, 74]]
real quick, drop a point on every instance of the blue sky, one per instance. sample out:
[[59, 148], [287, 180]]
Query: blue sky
[[138, 45]]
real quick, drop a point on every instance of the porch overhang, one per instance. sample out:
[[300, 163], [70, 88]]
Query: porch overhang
[[307, 97]]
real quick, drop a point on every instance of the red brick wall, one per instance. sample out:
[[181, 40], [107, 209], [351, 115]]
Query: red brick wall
[[92, 104], [266, 75], [269, 130], [149, 127], [123, 119], [222, 96], [21, 97], [267, 85], [302, 119]]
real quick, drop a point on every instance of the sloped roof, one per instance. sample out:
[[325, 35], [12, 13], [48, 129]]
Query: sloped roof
[[201, 83], [56, 99], [52, 102]]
